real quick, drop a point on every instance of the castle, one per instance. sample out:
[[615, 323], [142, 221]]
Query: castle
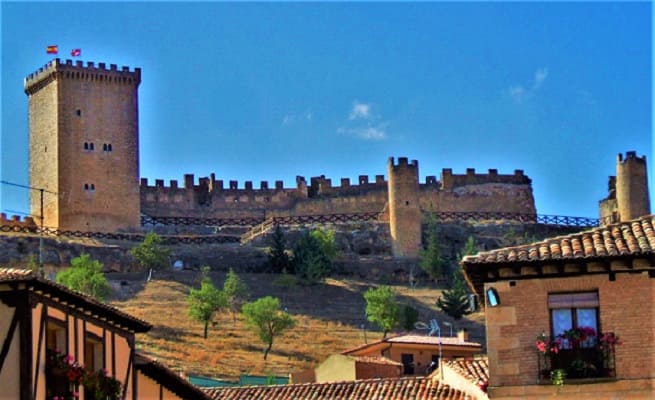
[[84, 138]]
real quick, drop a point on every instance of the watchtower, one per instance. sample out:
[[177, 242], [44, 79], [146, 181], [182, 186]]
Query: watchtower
[[84, 146], [631, 186], [404, 210]]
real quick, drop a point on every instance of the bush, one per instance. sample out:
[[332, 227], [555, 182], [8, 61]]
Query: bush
[[313, 255], [85, 275], [150, 254], [382, 308]]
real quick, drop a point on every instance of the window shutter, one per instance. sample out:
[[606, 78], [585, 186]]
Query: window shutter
[[573, 300]]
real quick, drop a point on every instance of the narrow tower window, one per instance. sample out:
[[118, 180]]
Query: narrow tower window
[[109, 147], [86, 186], [78, 112], [104, 147], [93, 187], [91, 146], [86, 146]]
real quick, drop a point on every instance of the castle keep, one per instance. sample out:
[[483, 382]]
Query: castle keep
[[84, 149]]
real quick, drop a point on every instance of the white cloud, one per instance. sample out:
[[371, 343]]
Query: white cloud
[[519, 93], [539, 77], [360, 111], [293, 118], [378, 132]]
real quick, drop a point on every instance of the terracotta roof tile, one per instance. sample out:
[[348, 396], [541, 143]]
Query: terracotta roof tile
[[474, 370], [376, 360], [415, 339], [626, 238], [81, 299], [634, 238], [412, 388]]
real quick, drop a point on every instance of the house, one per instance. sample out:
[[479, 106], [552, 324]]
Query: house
[[57, 342], [419, 354], [339, 367], [580, 305], [405, 388]]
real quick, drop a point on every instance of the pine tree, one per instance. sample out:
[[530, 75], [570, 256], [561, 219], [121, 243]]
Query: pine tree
[[454, 302], [431, 260], [236, 292], [278, 257]]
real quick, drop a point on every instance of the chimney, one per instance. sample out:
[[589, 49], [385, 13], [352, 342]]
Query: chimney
[[463, 335]]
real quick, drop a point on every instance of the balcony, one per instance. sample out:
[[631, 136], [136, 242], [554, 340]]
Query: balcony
[[587, 357]]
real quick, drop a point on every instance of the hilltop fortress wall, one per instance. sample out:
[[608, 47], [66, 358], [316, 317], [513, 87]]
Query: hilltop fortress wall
[[211, 198]]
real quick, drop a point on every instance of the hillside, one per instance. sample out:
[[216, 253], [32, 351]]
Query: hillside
[[329, 319]]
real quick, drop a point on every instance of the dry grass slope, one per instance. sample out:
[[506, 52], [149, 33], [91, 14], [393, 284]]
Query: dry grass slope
[[328, 320]]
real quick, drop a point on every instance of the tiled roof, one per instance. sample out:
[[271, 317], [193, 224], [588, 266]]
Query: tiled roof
[[167, 378], [376, 360], [415, 388], [425, 339], [636, 237], [88, 303], [474, 370], [620, 241], [415, 339]]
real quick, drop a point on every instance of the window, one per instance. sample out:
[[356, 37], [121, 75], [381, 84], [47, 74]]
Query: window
[[573, 310], [78, 112], [86, 146], [94, 358], [574, 325], [86, 186], [91, 146], [408, 363], [55, 346]]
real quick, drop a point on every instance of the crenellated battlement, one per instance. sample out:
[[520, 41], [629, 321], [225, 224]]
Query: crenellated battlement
[[450, 181], [56, 69], [630, 156], [319, 185], [403, 163], [16, 221]]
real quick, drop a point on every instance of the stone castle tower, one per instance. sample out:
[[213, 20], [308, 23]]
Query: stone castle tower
[[404, 210], [83, 135], [628, 190]]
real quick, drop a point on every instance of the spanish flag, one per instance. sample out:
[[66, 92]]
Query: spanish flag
[[52, 49]]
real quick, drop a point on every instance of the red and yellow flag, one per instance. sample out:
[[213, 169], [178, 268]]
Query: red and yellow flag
[[52, 49]]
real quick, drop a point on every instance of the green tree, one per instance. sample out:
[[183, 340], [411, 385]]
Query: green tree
[[409, 317], [311, 262], [470, 247], [267, 320], [85, 275], [430, 258], [205, 302], [454, 302], [278, 257], [382, 308], [236, 292], [151, 253], [325, 238]]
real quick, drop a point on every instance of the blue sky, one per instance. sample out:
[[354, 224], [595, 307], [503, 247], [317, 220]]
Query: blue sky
[[268, 91]]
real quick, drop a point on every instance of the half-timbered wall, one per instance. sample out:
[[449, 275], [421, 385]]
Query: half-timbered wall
[[9, 352], [152, 390], [50, 325]]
